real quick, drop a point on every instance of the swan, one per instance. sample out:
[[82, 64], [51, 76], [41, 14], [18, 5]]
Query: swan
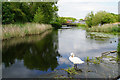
[[75, 60]]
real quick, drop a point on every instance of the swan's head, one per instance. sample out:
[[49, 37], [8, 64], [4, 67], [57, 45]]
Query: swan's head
[[72, 54]]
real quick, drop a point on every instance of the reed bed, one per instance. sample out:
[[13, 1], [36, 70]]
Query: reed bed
[[15, 30], [107, 28]]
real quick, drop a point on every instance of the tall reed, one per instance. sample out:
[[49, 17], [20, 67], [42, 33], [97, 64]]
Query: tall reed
[[15, 30], [107, 28]]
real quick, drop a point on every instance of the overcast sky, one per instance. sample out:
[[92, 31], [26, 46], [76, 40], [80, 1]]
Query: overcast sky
[[80, 8]]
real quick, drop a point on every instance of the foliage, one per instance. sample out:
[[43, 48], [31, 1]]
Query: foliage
[[87, 59], [89, 19], [118, 48], [101, 17], [22, 12], [7, 16], [80, 19], [80, 25], [39, 17], [106, 28], [13, 30], [61, 20], [71, 70], [96, 61], [56, 25], [93, 60], [68, 18], [117, 58], [119, 17]]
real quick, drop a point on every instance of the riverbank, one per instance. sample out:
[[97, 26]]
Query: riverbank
[[21, 30], [106, 28], [26, 39]]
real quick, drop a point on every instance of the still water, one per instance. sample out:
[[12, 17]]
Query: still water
[[36, 56]]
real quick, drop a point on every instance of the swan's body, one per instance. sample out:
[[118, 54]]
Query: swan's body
[[75, 60]]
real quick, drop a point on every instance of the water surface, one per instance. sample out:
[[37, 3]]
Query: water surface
[[38, 56]]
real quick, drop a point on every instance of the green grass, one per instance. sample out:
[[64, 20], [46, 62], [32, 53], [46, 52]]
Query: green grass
[[71, 70], [21, 30], [80, 25], [107, 28], [93, 60]]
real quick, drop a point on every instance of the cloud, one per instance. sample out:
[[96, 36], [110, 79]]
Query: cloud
[[80, 8], [63, 1]]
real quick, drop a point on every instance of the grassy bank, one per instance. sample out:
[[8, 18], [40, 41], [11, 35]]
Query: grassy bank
[[21, 30], [80, 25], [106, 28]]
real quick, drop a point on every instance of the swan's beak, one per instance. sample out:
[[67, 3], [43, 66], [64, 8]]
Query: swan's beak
[[72, 56]]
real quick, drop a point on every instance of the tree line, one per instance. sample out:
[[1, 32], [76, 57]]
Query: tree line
[[22, 12], [101, 17]]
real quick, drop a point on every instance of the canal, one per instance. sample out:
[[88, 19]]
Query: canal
[[43, 56]]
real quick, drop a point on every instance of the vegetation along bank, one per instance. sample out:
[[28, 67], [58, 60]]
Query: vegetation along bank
[[102, 21], [27, 18], [14, 30]]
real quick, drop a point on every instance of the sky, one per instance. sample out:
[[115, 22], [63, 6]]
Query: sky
[[80, 8]]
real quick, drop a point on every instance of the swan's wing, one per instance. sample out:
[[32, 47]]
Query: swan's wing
[[71, 59], [76, 60]]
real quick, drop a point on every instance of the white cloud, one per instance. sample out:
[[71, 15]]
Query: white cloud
[[80, 8], [63, 1]]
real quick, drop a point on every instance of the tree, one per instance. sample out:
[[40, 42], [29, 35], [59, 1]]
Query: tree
[[39, 17], [22, 12], [101, 17], [7, 15], [89, 19]]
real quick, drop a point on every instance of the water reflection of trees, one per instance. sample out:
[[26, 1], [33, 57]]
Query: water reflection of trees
[[40, 55], [118, 49], [118, 55]]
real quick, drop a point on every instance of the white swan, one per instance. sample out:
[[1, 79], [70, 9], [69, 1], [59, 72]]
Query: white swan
[[75, 60]]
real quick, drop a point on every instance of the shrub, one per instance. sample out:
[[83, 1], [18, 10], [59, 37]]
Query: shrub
[[56, 25]]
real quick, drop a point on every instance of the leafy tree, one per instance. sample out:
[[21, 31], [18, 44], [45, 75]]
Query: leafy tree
[[39, 17], [61, 20], [68, 18], [101, 17], [22, 12], [89, 19], [7, 15]]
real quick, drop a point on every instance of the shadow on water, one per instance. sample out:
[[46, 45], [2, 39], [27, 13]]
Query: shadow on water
[[38, 54], [118, 56]]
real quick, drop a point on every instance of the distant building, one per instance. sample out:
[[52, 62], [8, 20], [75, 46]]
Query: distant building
[[69, 21]]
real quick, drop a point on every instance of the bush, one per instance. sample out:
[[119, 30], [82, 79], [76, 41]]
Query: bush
[[81, 25], [56, 25], [100, 18]]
